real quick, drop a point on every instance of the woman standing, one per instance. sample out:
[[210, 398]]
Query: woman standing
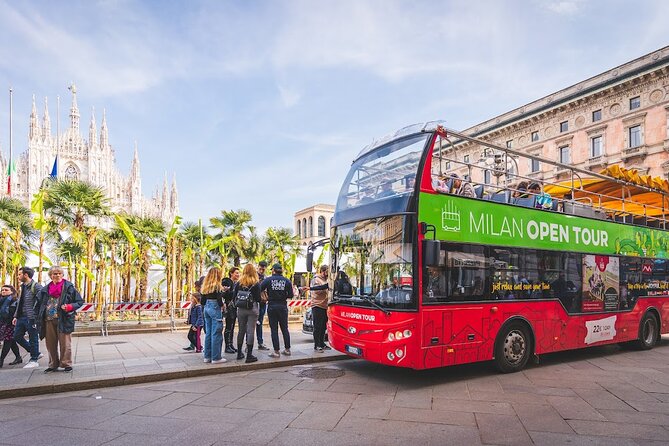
[[8, 302], [231, 313], [246, 295], [58, 304], [211, 298]]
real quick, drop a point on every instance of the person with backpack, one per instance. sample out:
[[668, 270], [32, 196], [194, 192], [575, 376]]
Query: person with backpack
[[8, 303], [246, 296], [25, 319], [279, 290]]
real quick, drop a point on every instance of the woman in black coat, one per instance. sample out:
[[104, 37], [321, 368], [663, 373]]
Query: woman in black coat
[[8, 302]]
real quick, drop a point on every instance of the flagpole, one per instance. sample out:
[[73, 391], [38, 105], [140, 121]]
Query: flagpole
[[11, 142], [57, 131]]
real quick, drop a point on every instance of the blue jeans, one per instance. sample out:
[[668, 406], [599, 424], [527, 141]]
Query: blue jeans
[[213, 325], [278, 317], [23, 324], [261, 316]]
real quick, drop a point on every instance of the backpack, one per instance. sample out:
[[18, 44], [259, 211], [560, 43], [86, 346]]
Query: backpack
[[244, 299]]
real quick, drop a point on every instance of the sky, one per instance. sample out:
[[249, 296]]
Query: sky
[[262, 105]]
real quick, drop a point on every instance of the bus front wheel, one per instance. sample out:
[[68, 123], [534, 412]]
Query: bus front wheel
[[648, 332], [513, 348]]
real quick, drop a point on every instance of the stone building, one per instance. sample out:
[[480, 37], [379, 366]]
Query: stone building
[[92, 160], [620, 116], [313, 223]]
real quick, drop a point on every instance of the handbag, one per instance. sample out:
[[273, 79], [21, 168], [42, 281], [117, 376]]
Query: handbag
[[244, 299]]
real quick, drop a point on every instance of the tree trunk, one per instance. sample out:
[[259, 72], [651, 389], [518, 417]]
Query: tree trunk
[[41, 256], [4, 256]]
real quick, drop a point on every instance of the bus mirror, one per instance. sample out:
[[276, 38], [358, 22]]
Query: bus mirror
[[310, 261], [432, 252]]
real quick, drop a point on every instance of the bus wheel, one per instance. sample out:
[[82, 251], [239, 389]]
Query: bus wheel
[[513, 348], [648, 329]]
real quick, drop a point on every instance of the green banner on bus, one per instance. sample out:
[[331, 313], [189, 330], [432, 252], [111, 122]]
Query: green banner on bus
[[469, 220]]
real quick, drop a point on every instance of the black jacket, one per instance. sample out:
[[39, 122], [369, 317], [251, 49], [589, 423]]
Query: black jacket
[[279, 289], [34, 288], [255, 291], [7, 319], [69, 296]]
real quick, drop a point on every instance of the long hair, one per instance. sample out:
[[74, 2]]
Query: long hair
[[212, 282], [249, 276]]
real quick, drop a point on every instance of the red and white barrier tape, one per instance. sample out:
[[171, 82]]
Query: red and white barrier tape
[[86, 308], [145, 306], [299, 303]]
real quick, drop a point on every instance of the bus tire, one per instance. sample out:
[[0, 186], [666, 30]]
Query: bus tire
[[648, 332], [513, 347]]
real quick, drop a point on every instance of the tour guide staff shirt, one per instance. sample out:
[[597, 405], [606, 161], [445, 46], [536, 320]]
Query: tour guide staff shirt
[[279, 289]]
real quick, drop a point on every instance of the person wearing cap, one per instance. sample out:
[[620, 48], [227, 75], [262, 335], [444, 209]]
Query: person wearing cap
[[462, 188], [262, 309], [279, 290]]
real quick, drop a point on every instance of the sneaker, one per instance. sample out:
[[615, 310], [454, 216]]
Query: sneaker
[[190, 348], [68, 369], [31, 365], [327, 347], [16, 361], [219, 361], [250, 358], [40, 356], [286, 351], [320, 350], [50, 369], [274, 355], [207, 360], [263, 347]]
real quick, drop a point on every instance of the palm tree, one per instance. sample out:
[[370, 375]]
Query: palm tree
[[283, 247], [148, 232], [70, 203], [233, 227], [16, 227]]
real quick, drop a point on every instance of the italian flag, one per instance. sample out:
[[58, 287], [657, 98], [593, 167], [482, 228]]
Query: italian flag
[[11, 168]]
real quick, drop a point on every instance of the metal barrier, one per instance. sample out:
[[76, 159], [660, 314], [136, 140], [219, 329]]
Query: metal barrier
[[122, 307]]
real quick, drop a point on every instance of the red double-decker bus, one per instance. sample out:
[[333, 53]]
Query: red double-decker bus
[[439, 259]]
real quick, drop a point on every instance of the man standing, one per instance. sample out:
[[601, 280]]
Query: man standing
[[279, 289], [319, 307], [262, 266], [25, 317]]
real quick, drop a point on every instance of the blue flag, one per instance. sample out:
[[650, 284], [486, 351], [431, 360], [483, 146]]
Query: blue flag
[[54, 169]]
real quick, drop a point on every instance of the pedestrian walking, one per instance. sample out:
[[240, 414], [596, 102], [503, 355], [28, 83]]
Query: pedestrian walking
[[231, 314], [262, 307], [8, 303], [58, 304], [319, 307], [246, 296], [196, 321], [212, 301], [279, 290], [25, 319]]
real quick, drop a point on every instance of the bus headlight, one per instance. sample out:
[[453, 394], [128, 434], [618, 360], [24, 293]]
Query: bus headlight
[[407, 333], [391, 336], [399, 352], [398, 335], [391, 357]]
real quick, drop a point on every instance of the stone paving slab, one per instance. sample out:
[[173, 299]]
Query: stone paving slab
[[139, 358]]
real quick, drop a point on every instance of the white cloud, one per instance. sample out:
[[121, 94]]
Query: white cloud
[[289, 97], [564, 7]]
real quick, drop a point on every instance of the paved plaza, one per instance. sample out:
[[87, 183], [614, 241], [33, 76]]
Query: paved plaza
[[600, 396]]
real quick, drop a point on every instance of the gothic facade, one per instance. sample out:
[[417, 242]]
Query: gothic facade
[[91, 160]]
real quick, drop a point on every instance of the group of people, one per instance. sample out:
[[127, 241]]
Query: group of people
[[244, 297], [43, 312]]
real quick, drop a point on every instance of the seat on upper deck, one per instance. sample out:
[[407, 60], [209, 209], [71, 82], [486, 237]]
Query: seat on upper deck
[[527, 202], [500, 197]]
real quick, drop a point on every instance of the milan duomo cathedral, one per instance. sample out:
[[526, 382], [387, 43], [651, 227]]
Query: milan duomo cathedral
[[91, 160]]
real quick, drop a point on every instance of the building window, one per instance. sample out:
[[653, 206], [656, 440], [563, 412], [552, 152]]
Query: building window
[[565, 156], [304, 228], [534, 165], [486, 177], [595, 147], [509, 143], [597, 115], [535, 136], [321, 226], [311, 226], [635, 136], [299, 227], [564, 126], [467, 159], [448, 165], [635, 102]]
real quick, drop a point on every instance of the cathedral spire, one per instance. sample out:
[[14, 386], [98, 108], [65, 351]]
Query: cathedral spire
[[104, 133], [134, 166], [46, 121], [92, 135], [165, 198], [174, 197], [74, 111], [34, 127]]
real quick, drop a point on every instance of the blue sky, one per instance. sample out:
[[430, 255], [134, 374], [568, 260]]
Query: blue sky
[[262, 105]]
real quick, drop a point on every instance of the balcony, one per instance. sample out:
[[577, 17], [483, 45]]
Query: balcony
[[634, 152], [597, 162]]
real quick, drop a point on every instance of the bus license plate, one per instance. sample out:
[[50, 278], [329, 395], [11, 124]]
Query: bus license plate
[[354, 350]]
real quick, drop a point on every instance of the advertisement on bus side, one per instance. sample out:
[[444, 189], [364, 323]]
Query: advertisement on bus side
[[601, 279]]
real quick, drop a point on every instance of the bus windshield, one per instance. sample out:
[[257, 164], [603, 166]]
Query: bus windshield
[[373, 260], [389, 171]]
